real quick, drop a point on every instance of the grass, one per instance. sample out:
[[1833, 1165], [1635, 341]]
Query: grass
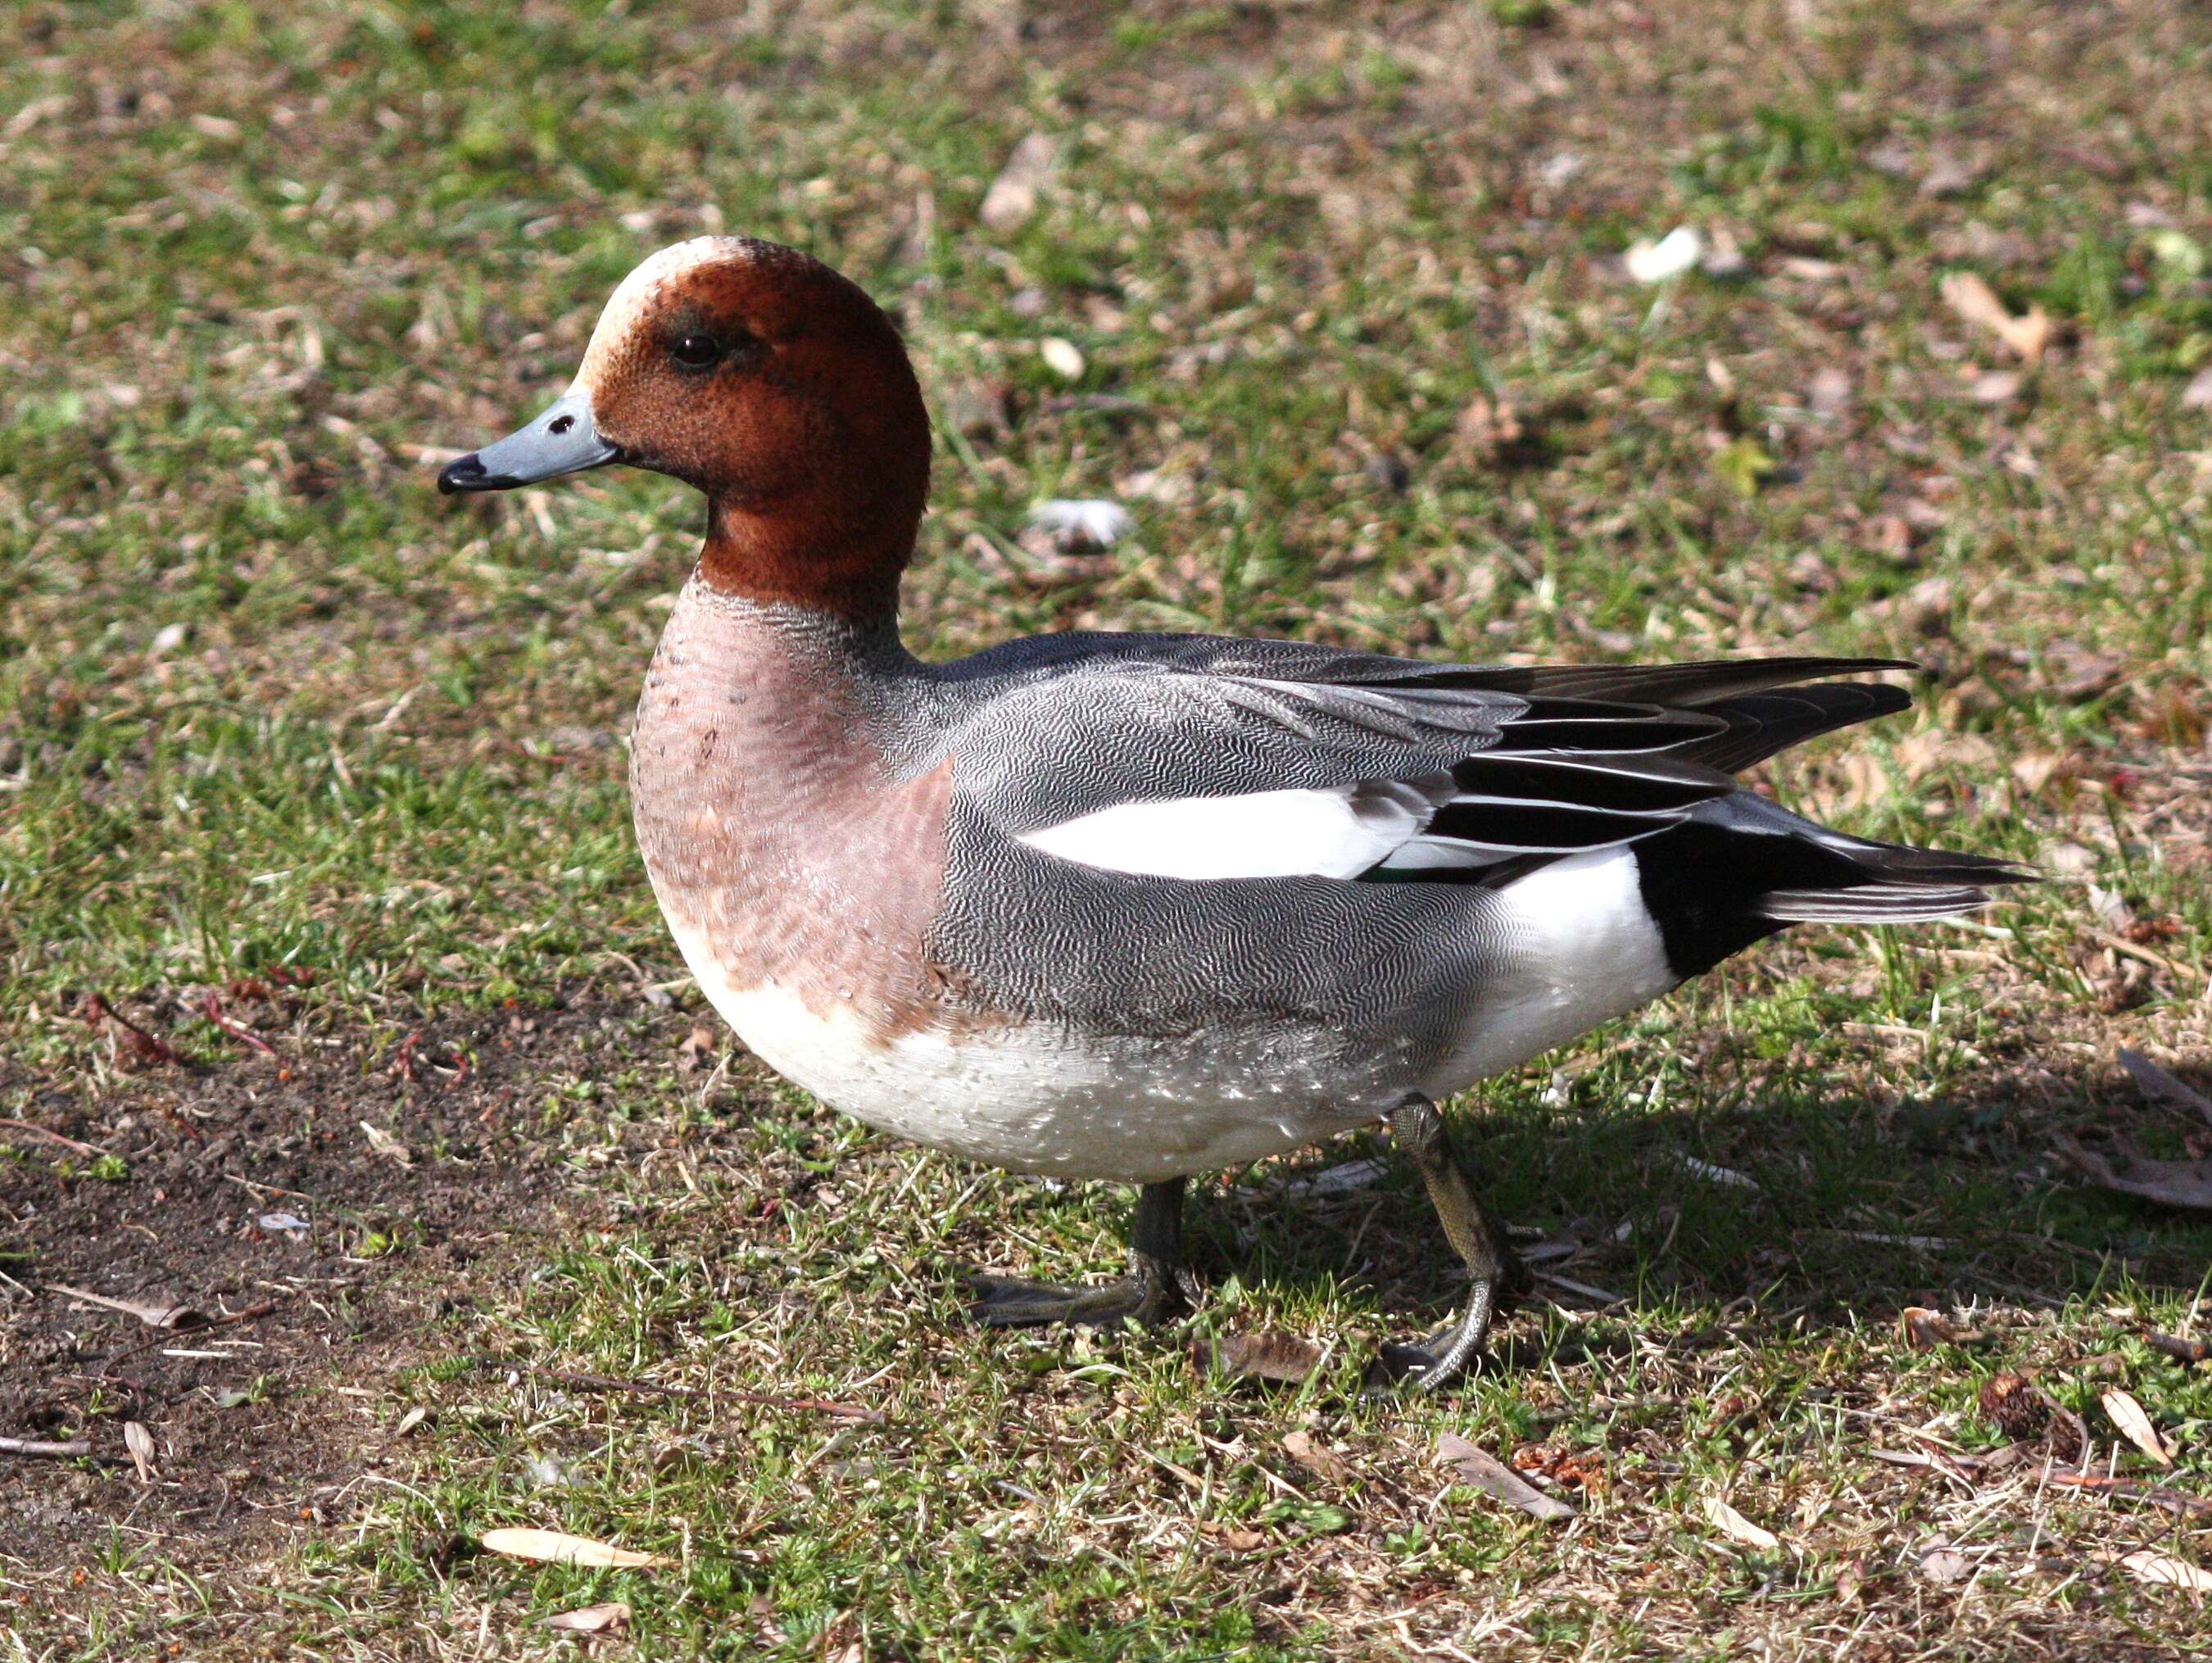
[[268, 704]]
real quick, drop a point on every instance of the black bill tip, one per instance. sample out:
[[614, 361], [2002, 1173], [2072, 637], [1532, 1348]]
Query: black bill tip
[[467, 474]]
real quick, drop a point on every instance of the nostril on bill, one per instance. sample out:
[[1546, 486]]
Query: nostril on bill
[[563, 424]]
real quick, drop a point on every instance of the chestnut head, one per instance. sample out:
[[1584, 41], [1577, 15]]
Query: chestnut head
[[774, 386]]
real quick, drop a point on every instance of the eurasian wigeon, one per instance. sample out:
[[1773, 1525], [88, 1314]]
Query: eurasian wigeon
[[1134, 907]]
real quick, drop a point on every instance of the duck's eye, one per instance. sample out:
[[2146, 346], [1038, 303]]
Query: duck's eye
[[695, 351]]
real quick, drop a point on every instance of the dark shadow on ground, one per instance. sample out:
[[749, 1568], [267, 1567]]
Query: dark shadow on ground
[[1836, 1210]]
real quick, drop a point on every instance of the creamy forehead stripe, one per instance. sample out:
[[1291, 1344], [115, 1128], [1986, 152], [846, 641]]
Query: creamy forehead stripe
[[640, 292]]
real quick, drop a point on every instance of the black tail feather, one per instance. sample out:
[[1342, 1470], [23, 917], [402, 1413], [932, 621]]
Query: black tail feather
[[1741, 869], [1621, 752]]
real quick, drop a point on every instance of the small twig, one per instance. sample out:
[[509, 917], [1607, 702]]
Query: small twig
[[645, 1388], [246, 1315], [150, 1047], [2181, 1350], [2174, 1501], [1583, 1290], [153, 1316], [44, 1132], [260, 1188], [64, 1449], [180, 1123], [2120, 943], [1103, 403], [211, 1008]]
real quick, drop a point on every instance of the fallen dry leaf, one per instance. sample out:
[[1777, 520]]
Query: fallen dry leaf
[[1996, 386], [1269, 1355], [1739, 1529], [555, 1547], [1949, 1461], [2127, 1414], [1808, 269], [2159, 1570], [1575, 1469], [140, 1443], [2169, 1183], [1014, 196], [1977, 303], [1311, 1455], [2077, 675], [1942, 1563], [384, 1143], [1950, 174], [2178, 1503], [1237, 1538], [2160, 1086], [610, 1619], [1924, 1330], [1478, 1468], [1676, 252]]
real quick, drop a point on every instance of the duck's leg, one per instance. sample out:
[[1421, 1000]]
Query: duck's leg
[[1418, 1129], [1152, 1292]]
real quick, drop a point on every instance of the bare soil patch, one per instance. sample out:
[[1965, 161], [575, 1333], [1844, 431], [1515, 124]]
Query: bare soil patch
[[313, 1255]]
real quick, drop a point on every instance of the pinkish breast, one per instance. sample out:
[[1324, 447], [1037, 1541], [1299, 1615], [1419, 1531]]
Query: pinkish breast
[[772, 827]]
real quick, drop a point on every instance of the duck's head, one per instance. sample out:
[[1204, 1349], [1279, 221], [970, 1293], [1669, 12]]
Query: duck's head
[[777, 388]]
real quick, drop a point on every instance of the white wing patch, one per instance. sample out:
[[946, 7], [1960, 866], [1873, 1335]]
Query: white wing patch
[[1336, 831]]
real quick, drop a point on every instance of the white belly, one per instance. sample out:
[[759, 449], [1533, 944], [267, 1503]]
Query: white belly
[[1581, 950], [1039, 1099]]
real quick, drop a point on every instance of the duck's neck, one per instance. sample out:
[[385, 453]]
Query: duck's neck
[[826, 554], [795, 652]]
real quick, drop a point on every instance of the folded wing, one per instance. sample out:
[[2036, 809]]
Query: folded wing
[[1359, 769]]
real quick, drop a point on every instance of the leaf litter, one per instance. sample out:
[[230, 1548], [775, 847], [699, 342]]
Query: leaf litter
[[557, 1547], [1738, 1529], [611, 1618], [1477, 1467]]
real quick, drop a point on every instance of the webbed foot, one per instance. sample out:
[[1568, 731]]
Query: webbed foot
[[1008, 1303], [1155, 1291]]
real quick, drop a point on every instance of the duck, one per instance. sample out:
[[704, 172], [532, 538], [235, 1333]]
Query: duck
[[1133, 908]]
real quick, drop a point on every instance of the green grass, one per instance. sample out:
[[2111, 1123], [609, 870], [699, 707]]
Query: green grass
[[266, 701]]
